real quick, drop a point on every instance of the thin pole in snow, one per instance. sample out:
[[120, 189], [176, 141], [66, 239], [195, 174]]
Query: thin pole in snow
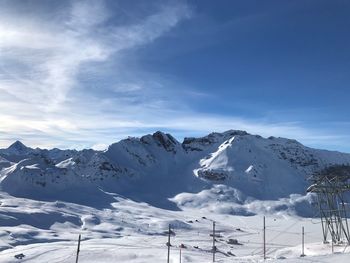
[[168, 244], [214, 247], [78, 250], [302, 242], [332, 246], [264, 238], [180, 254]]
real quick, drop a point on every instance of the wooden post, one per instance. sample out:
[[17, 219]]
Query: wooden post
[[78, 250], [264, 238], [168, 244], [214, 248], [302, 242]]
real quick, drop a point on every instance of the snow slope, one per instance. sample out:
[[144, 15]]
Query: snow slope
[[157, 167], [136, 232], [126, 196]]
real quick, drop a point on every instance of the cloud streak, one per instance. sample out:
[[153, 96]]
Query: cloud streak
[[40, 65], [48, 61], [67, 83]]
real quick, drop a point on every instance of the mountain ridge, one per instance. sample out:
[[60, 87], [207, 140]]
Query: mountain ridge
[[156, 167]]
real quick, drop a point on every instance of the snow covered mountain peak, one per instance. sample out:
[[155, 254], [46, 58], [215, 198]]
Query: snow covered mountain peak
[[214, 138], [165, 140], [18, 148], [156, 167]]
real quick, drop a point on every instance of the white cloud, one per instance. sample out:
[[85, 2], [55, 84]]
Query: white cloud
[[86, 14], [100, 146], [40, 63], [47, 60], [46, 102]]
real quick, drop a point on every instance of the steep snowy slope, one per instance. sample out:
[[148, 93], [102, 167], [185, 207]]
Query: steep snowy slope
[[265, 168], [160, 167], [157, 167]]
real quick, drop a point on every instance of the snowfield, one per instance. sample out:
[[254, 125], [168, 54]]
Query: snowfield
[[122, 200], [137, 232]]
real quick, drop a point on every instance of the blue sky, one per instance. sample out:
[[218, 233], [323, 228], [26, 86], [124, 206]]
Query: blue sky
[[77, 74]]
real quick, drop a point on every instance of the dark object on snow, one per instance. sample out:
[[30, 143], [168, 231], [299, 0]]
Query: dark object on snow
[[233, 241], [182, 246], [203, 217], [19, 256], [230, 254], [190, 221], [196, 247]]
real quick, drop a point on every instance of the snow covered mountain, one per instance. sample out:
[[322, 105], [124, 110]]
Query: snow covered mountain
[[157, 167], [126, 196]]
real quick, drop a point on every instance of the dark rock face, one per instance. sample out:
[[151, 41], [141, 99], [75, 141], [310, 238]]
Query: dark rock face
[[167, 141], [211, 175], [198, 144]]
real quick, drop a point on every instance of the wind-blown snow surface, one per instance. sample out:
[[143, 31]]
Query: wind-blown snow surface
[[126, 196]]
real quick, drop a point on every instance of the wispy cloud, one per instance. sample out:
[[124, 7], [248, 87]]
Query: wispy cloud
[[40, 65], [47, 60], [67, 83]]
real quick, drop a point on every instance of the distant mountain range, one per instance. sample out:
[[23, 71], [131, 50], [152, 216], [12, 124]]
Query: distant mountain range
[[157, 167]]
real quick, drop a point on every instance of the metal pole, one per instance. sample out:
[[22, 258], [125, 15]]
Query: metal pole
[[302, 242], [214, 248], [78, 249], [264, 237], [332, 246], [180, 254], [168, 244]]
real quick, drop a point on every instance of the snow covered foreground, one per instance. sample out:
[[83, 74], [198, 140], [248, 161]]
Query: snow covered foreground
[[136, 232], [122, 200]]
